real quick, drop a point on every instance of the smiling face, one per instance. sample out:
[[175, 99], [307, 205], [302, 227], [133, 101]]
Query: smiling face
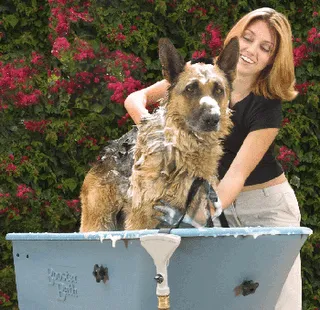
[[257, 44]]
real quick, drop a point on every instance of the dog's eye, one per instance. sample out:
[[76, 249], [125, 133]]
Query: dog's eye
[[192, 87], [218, 90]]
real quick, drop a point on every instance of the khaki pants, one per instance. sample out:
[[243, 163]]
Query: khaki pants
[[272, 206]]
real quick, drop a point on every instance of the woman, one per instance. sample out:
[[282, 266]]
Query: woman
[[253, 188]]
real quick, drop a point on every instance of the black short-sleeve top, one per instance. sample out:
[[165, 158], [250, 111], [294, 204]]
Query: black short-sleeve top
[[250, 114]]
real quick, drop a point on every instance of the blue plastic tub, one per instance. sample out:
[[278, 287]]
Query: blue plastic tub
[[55, 271]]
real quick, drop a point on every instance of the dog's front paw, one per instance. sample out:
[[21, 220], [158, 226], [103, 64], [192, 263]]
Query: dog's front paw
[[173, 217]]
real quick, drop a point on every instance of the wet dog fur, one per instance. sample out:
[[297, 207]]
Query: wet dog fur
[[178, 143]]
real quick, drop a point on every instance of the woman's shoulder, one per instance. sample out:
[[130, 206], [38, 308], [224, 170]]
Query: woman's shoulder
[[261, 103], [258, 99]]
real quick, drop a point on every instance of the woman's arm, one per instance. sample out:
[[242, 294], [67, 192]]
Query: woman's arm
[[250, 154], [137, 102]]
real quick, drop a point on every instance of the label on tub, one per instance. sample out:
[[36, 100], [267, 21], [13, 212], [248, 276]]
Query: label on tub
[[64, 281]]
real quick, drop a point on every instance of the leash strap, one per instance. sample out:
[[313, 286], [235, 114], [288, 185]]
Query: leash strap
[[192, 192], [211, 196], [223, 221]]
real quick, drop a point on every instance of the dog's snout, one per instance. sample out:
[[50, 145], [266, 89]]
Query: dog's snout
[[210, 121], [208, 102]]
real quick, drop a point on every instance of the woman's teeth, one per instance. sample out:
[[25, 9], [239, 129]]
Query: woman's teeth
[[246, 59]]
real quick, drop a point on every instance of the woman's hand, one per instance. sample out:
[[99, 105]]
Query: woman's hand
[[137, 102]]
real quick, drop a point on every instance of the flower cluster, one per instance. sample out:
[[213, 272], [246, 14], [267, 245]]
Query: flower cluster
[[312, 43], [16, 84], [285, 121], [59, 46], [36, 126], [24, 192], [287, 158], [313, 36], [198, 11], [117, 35], [299, 54], [64, 12], [8, 166], [123, 89], [303, 87], [74, 204], [26, 100], [123, 119], [4, 298], [10, 204], [87, 141], [37, 59], [83, 51], [199, 54], [212, 38]]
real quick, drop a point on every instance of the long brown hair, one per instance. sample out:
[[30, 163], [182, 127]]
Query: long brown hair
[[278, 79]]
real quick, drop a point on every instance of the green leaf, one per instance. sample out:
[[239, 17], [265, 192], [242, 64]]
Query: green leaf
[[12, 20], [70, 183], [52, 137]]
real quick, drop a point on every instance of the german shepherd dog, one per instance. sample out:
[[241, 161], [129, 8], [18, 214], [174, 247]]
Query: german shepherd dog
[[178, 143]]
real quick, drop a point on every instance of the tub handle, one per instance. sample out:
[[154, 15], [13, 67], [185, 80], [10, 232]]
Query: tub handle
[[100, 273], [246, 288]]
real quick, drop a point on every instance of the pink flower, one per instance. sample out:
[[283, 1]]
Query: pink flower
[[62, 28], [299, 54], [36, 126], [36, 59], [73, 204], [24, 159], [123, 120], [303, 87], [285, 121], [313, 36], [120, 37], [123, 89], [87, 141], [199, 11], [287, 157], [84, 54], [212, 38], [133, 28], [59, 45], [24, 192], [199, 54], [11, 168], [24, 100]]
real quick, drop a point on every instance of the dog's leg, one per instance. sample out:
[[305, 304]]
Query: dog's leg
[[99, 205], [141, 218]]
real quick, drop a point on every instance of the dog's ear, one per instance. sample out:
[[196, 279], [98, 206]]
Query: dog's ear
[[229, 57], [171, 61]]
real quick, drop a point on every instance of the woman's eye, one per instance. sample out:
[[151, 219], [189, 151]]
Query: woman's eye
[[247, 39], [266, 49]]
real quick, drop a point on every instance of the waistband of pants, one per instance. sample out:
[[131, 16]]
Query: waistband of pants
[[284, 187]]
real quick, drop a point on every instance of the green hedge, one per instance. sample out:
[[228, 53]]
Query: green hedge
[[66, 67]]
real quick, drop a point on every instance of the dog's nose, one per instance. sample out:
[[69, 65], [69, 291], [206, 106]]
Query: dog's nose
[[210, 121]]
